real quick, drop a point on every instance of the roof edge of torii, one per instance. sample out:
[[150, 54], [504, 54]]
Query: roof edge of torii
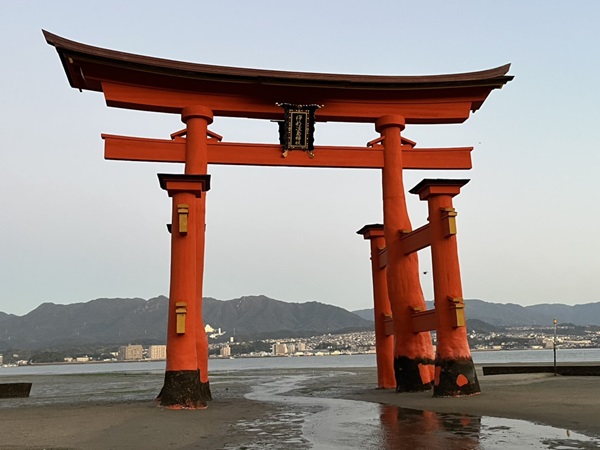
[[154, 84]]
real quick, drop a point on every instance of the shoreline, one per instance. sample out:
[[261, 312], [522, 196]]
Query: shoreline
[[475, 351]]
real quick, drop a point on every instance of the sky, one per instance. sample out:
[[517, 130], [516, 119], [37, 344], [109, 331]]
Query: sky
[[75, 227]]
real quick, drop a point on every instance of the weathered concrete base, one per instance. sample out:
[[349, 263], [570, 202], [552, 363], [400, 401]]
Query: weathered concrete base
[[205, 391], [14, 390], [455, 378], [183, 390], [411, 374]]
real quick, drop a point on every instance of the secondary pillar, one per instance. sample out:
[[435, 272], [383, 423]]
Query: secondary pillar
[[384, 340], [413, 354], [182, 387], [454, 369], [197, 118]]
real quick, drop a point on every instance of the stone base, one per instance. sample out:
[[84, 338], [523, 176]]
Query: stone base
[[455, 378], [9, 390], [183, 390], [412, 375], [205, 391]]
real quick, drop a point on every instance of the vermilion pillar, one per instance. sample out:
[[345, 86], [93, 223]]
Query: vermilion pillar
[[197, 119], [454, 370], [413, 354], [384, 341], [182, 387]]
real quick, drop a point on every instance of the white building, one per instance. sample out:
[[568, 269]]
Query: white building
[[157, 352], [225, 351], [130, 353], [279, 349]]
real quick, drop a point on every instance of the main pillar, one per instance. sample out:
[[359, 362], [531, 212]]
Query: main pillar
[[197, 119], [384, 340], [454, 369], [413, 354], [182, 388]]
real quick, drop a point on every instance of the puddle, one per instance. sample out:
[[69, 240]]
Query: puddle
[[304, 422]]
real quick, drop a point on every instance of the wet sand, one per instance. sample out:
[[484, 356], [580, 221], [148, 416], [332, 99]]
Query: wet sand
[[137, 424], [566, 402]]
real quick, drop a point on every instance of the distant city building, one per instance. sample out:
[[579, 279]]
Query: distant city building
[[225, 351], [300, 347], [157, 351], [130, 352], [1, 359], [279, 349]]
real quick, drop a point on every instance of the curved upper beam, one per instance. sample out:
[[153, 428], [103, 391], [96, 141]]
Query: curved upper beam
[[154, 84]]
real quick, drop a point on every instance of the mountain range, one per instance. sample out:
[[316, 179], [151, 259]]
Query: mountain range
[[135, 320]]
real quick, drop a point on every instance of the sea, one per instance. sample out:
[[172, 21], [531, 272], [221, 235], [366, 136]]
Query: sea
[[591, 355], [313, 422]]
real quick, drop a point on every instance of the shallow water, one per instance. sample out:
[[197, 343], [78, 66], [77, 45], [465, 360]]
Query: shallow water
[[99, 387], [332, 424]]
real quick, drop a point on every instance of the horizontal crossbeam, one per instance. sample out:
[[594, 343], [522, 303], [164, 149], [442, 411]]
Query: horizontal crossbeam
[[413, 241], [232, 153], [423, 320]]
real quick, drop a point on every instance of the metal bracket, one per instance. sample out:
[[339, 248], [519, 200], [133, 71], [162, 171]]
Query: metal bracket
[[449, 221], [457, 306], [183, 210], [181, 312]]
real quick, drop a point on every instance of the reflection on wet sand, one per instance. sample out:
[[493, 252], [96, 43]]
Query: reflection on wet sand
[[332, 423], [408, 428]]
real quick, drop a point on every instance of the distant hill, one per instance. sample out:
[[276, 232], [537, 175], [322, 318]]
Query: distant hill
[[4, 316], [135, 320], [366, 314], [510, 314], [98, 321], [253, 315], [122, 321], [586, 314]]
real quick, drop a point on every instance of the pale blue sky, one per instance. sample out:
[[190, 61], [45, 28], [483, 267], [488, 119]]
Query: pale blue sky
[[76, 227]]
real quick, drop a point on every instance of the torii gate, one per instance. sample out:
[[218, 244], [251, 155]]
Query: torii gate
[[199, 92]]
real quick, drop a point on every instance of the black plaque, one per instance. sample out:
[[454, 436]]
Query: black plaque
[[297, 130]]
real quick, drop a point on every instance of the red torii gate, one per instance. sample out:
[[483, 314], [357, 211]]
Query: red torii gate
[[198, 93]]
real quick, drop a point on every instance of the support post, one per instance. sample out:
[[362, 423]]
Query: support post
[[384, 341], [413, 354], [197, 119], [554, 347], [454, 369], [182, 387]]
